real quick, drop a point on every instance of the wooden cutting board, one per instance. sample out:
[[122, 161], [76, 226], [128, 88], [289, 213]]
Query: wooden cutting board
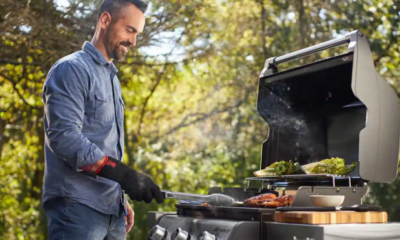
[[338, 217]]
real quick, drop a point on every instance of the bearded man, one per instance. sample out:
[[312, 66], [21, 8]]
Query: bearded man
[[85, 181]]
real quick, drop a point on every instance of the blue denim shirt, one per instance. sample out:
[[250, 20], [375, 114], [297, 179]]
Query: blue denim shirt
[[84, 115]]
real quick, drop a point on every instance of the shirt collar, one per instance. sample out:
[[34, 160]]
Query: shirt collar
[[97, 56]]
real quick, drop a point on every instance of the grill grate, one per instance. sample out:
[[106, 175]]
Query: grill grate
[[232, 213], [297, 180]]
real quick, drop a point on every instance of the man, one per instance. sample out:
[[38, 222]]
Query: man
[[85, 180]]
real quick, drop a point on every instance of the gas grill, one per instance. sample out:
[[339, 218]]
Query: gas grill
[[336, 107]]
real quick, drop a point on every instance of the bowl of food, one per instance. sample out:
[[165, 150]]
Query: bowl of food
[[327, 200]]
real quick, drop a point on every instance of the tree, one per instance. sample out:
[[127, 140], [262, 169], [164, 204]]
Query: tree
[[190, 89]]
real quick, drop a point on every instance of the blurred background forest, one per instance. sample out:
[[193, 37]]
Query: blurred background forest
[[190, 89]]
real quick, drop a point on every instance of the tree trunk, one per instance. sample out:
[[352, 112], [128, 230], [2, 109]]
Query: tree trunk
[[37, 181], [128, 145], [263, 30], [3, 124], [302, 23]]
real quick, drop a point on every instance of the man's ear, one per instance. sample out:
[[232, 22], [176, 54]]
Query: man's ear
[[105, 20]]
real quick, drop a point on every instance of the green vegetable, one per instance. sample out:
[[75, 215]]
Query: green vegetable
[[348, 169], [294, 168], [281, 168], [329, 166]]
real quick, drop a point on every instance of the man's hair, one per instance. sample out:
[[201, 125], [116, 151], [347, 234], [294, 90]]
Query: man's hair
[[114, 7]]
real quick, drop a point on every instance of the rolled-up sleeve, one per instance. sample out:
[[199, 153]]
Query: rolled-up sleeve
[[65, 93]]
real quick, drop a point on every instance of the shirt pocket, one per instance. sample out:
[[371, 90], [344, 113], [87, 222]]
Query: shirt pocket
[[104, 108], [90, 107]]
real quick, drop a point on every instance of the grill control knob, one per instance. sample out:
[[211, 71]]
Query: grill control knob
[[179, 234], [157, 233], [206, 236]]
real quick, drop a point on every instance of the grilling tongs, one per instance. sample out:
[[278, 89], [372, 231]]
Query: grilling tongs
[[215, 199]]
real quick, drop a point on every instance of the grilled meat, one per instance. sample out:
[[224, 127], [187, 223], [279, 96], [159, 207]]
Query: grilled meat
[[269, 200], [283, 201], [258, 200], [272, 204]]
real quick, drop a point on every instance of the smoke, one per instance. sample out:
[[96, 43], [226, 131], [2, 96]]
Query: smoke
[[295, 133]]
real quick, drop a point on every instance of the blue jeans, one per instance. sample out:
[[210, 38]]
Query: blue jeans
[[70, 220]]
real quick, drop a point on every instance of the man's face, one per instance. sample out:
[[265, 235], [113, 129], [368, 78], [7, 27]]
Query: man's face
[[121, 33]]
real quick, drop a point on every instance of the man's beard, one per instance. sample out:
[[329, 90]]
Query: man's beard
[[118, 50]]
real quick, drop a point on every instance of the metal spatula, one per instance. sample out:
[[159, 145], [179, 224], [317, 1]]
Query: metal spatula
[[213, 199]]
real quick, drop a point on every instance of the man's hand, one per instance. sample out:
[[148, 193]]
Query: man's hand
[[138, 186], [129, 219]]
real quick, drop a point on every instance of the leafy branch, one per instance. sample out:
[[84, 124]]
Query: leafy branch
[[392, 40], [14, 84], [146, 100], [14, 62], [185, 122]]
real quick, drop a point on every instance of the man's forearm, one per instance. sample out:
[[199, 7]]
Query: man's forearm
[[138, 186], [94, 167]]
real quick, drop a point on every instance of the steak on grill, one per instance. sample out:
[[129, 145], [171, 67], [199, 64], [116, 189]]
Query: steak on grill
[[269, 200]]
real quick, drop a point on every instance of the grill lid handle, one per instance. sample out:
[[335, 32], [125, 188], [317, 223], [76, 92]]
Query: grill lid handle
[[272, 63]]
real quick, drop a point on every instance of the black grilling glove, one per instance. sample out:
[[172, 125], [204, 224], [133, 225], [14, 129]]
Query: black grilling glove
[[138, 186]]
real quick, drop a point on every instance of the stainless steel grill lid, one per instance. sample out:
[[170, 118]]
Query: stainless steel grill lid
[[337, 107]]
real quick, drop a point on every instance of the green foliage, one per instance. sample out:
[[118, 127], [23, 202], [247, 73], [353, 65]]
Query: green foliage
[[387, 196], [189, 89]]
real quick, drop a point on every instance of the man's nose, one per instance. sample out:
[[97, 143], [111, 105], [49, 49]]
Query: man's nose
[[132, 41]]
